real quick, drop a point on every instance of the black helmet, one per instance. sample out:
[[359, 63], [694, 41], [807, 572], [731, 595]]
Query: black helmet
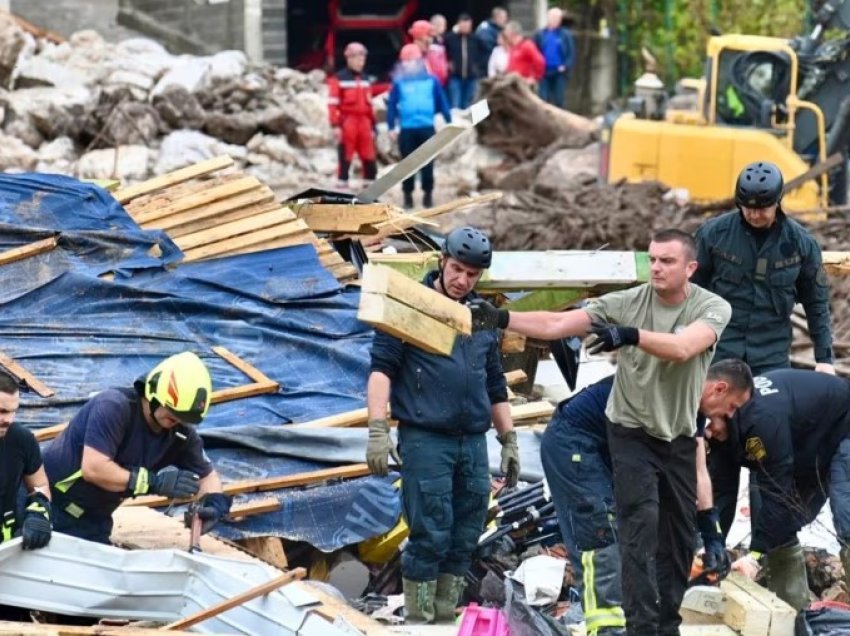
[[470, 246], [759, 185]]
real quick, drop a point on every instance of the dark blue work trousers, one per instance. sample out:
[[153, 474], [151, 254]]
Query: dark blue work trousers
[[445, 491], [409, 139]]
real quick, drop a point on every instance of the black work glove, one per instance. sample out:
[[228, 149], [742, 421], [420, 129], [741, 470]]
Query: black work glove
[[171, 482], [487, 316], [213, 507], [715, 559], [610, 337], [36, 529]]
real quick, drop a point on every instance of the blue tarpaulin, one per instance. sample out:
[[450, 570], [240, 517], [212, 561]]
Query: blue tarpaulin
[[108, 303]]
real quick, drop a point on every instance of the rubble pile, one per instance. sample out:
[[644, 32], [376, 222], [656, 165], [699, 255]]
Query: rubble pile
[[67, 107]]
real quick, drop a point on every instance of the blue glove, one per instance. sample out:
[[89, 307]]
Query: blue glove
[[213, 507], [36, 528], [715, 559]]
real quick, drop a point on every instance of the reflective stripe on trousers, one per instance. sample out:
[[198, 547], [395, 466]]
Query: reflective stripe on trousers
[[601, 593]]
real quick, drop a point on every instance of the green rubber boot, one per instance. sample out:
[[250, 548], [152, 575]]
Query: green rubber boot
[[419, 601], [449, 589], [786, 576]]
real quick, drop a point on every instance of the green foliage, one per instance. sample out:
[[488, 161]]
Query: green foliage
[[676, 31]]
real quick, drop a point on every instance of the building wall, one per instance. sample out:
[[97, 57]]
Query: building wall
[[274, 31]]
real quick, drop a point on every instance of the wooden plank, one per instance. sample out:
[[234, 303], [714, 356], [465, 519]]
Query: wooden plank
[[49, 432], [178, 176], [240, 244], [33, 382], [204, 197], [708, 630], [836, 263], [268, 549], [248, 369], [782, 615], [512, 342], [255, 592], [358, 218], [377, 279], [12, 628], [30, 249], [262, 485], [410, 325], [516, 377], [349, 418], [743, 613], [175, 193], [205, 222], [531, 411], [302, 238], [225, 231], [253, 508]]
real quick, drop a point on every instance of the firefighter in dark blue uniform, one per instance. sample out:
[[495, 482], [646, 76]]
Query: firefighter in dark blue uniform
[[763, 263], [577, 465], [795, 436], [444, 406]]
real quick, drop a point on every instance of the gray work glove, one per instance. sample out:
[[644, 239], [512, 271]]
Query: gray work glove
[[510, 457], [380, 446]]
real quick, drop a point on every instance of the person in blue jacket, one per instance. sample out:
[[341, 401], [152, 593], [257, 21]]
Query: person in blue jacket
[[444, 406], [555, 42], [416, 96]]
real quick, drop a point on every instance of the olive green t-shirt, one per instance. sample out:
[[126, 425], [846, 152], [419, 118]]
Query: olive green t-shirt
[[658, 396]]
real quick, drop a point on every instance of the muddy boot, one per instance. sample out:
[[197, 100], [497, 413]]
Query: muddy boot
[[786, 575], [449, 589], [408, 200], [427, 200], [418, 601]]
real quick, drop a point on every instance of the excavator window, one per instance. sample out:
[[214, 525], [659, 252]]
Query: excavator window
[[751, 87]]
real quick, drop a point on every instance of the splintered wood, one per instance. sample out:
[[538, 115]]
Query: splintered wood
[[210, 210], [408, 310]]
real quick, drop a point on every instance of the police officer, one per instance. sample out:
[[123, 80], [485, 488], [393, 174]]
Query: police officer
[[444, 406], [795, 436], [762, 263], [136, 441], [20, 463], [577, 465]]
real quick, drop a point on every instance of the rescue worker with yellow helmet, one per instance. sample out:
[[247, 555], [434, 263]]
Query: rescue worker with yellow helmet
[[127, 442]]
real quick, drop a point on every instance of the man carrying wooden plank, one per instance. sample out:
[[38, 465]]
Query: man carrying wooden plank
[[444, 406], [577, 465], [136, 441], [20, 463], [665, 331], [795, 436]]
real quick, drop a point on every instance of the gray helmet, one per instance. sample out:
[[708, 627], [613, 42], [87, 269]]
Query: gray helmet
[[470, 246], [759, 185]]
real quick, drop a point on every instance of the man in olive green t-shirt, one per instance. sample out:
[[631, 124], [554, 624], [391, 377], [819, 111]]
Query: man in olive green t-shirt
[[667, 329]]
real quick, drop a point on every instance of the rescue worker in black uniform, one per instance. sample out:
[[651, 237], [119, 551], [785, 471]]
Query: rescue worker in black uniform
[[444, 406], [763, 263], [794, 434]]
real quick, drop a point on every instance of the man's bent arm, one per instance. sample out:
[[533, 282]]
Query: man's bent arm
[[550, 325], [377, 395], [101, 470], [705, 496], [678, 347]]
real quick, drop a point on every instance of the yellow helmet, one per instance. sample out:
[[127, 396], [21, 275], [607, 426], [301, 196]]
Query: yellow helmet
[[182, 384]]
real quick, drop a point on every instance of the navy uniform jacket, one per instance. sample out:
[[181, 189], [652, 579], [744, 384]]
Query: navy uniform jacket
[[787, 434], [763, 285], [449, 394]]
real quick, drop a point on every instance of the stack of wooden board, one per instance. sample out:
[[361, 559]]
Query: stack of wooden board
[[397, 305], [210, 210]]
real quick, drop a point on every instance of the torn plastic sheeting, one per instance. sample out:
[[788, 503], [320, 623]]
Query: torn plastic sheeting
[[348, 445], [542, 576], [81, 578]]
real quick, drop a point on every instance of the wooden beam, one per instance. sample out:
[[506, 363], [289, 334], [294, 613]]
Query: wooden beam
[[782, 615], [378, 279], [225, 231], [268, 549], [224, 211], [531, 411], [204, 197], [836, 263], [262, 485], [516, 377], [172, 178], [33, 382], [743, 613], [177, 192], [304, 237], [49, 432], [512, 342], [248, 369], [410, 325], [296, 228], [253, 508], [349, 418], [30, 249], [255, 592], [354, 218]]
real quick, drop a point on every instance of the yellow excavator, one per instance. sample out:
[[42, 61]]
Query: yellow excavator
[[762, 98]]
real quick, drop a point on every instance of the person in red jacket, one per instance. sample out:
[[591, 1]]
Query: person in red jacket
[[524, 58], [434, 54], [350, 95]]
